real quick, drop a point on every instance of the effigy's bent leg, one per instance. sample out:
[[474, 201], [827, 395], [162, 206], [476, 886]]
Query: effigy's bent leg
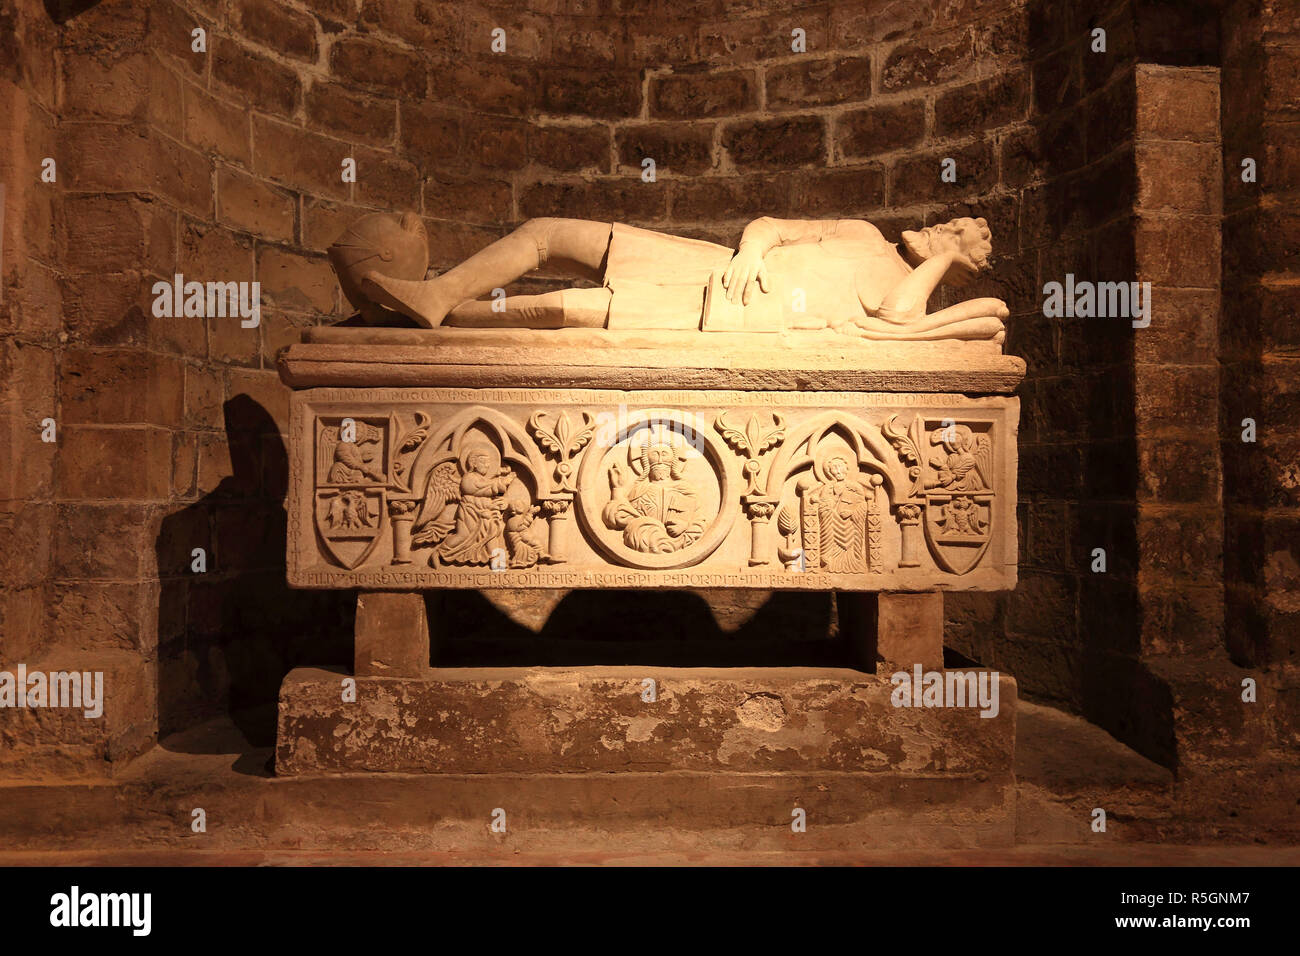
[[577, 246], [564, 308]]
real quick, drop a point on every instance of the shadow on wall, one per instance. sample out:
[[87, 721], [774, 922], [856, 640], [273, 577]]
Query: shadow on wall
[[228, 635], [61, 11], [1079, 422]]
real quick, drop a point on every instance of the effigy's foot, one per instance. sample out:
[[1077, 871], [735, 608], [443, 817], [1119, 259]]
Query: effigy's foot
[[418, 299]]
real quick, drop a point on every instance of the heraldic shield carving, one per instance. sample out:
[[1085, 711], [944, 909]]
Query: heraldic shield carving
[[351, 478], [959, 499], [416, 488]]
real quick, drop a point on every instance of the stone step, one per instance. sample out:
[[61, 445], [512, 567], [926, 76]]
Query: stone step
[[1066, 768], [721, 760], [627, 812], [618, 719]]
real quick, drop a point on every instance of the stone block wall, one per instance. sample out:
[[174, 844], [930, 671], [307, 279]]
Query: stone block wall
[[1070, 635], [1260, 333], [1259, 342], [225, 165]]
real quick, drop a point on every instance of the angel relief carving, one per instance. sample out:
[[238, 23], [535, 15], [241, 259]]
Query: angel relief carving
[[477, 512], [351, 453], [968, 464]]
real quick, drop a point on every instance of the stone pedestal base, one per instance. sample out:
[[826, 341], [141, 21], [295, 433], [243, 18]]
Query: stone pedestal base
[[887, 632], [392, 634], [612, 719]]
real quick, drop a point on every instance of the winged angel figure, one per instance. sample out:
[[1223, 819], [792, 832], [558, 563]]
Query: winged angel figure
[[968, 464], [477, 512]]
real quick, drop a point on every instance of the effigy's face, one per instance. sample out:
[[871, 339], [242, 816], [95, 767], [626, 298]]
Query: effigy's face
[[837, 469], [480, 463], [945, 237], [970, 240]]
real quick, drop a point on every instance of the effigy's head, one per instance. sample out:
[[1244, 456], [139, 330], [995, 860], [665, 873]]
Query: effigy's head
[[969, 238], [390, 244]]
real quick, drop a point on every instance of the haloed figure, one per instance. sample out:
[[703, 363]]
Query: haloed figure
[[839, 274]]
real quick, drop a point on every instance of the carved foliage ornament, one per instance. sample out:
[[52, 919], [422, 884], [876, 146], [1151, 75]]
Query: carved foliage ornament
[[563, 440], [752, 442], [484, 487]]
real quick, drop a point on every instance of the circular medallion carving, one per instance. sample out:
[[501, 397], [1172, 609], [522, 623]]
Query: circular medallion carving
[[657, 495]]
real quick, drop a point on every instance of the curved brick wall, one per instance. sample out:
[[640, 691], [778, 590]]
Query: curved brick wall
[[738, 124]]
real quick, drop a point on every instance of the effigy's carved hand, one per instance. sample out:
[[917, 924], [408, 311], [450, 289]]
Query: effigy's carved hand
[[615, 478], [745, 268], [966, 265]]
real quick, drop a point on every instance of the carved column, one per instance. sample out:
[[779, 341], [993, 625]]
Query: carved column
[[401, 512], [392, 634], [558, 518], [760, 512], [754, 440], [892, 630], [909, 521]]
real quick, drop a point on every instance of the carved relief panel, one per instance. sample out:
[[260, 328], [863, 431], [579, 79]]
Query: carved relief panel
[[444, 487], [953, 487]]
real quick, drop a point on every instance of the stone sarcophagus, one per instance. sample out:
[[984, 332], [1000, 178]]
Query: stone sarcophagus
[[472, 459], [781, 416]]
